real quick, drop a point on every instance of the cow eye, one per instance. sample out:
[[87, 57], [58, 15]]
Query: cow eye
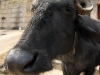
[[67, 9]]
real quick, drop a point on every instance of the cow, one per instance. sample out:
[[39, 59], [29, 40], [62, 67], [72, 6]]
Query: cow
[[86, 55], [54, 29]]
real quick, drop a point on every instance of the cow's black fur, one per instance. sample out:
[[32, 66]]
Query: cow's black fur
[[50, 33], [87, 48]]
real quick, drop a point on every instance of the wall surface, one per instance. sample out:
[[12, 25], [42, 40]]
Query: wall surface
[[14, 13], [94, 13]]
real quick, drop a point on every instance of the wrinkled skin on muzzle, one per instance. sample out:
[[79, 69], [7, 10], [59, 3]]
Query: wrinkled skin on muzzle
[[49, 33]]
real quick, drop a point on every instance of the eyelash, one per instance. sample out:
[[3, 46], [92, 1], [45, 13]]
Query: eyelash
[[69, 8]]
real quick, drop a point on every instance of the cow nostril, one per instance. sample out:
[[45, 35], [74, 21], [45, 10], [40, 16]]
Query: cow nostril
[[29, 66]]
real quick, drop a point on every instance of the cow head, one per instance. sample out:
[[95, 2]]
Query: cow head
[[49, 33]]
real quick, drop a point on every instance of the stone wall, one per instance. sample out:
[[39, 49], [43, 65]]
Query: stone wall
[[94, 13], [14, 13]]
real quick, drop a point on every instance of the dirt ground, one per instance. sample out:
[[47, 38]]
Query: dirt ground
[[8, 38]]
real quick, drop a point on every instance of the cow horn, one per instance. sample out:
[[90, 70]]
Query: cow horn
[[81, 9]]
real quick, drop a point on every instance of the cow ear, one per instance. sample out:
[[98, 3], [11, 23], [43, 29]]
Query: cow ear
[[87, 31], [34, 4]]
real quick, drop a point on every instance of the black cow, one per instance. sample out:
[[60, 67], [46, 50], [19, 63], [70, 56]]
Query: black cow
[[87, 53], [50, 33]]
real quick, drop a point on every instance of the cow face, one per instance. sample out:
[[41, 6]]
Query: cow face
[[49, 33]]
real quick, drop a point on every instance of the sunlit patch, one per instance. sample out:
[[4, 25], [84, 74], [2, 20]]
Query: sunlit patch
[[53, 72]]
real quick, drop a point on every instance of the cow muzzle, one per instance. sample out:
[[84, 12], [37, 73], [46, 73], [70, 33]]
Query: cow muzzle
[[25, 63]]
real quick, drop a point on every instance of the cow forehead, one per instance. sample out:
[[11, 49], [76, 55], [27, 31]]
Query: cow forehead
[[36, 2]]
